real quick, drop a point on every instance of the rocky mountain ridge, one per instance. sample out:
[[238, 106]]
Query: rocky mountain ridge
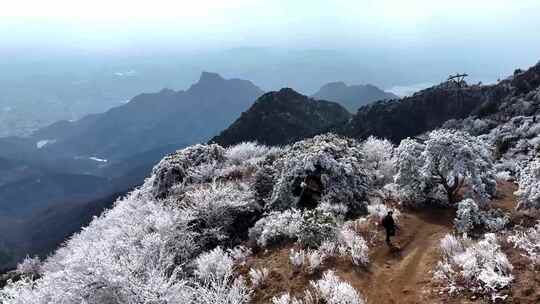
[[282, 117]]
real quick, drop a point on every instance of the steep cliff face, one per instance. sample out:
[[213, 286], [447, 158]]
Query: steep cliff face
[[282, 117]]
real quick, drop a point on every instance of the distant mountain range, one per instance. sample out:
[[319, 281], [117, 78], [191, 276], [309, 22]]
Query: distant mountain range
[[149, 121], [352, 97], [392, 119]]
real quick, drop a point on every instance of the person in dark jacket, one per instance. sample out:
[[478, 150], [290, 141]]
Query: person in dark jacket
[[390, 226]]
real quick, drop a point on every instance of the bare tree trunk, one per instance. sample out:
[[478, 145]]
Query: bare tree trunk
[[453, 190]]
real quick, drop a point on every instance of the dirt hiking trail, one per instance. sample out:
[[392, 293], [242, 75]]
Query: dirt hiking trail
[[400, 275], [393, 276]]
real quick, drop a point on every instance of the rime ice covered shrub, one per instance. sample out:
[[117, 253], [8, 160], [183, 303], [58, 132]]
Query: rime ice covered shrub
[[239, 254], [246, 152], [445, 162], [315, 259], [330, 289], [309, 228], [529, 242], [469, 217], [311, 258], [214, 206], [30, 266], [516, 140], [276, 227], [379, 211], [353, 245], [338, 211], [474, 126], [316, 227], [529, 186], [450, 245], [504, 176], [297, 258], [216, 263], [179, 167], [286, 299], [229, 290], [263, 184], [477, 266], [335, 159], [215, 281], [130, 254], [204, 163], [258, 277]]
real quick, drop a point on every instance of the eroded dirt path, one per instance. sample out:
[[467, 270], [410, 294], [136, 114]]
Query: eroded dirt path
[[401, 275]]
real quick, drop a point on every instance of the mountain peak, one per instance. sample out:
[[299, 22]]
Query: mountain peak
[[334, 85], [210, 77], [281, 117], [351, 96], [288, 92]]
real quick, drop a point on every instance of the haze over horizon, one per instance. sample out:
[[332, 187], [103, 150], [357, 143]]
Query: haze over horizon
[[76, 57], [434, 34]]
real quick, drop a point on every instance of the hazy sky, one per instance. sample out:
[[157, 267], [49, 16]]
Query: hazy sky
[[385, 42], [105, 25]]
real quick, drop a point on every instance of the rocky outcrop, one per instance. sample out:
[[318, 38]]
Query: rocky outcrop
[[282, 117]]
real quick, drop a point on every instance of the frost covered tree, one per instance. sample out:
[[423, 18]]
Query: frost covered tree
[[378, 159], [529, 186], [449, 160], [412, 185], [334, 161]]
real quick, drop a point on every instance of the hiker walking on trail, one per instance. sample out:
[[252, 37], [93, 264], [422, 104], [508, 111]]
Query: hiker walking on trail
[[390, 226]]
